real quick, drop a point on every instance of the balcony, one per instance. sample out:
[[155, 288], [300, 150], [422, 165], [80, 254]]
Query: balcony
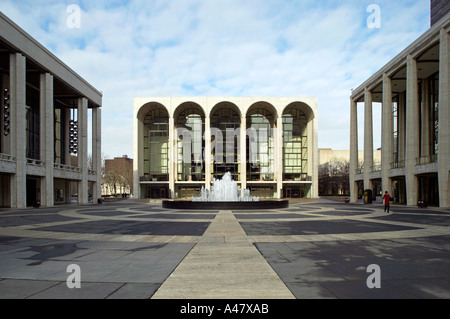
[[426, 159], [7, 158], [398, 164], [7, 164]]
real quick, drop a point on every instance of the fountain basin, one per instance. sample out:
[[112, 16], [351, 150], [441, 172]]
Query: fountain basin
[[263, 204]]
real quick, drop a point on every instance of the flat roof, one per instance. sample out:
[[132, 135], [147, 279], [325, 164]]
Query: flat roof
[[20, 41], [429, 38]]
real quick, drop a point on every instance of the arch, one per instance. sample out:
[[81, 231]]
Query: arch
[[296, 134], [261, 120], [262, 105], [189, 120], [198, 109], [225, 104], [144, 109], [155, 119], [225, 119], [304, 107]]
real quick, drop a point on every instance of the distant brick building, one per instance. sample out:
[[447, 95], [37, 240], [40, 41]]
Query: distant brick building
[[118, 177]]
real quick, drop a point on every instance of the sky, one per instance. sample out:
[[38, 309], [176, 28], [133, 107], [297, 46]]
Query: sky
[[266, 48]]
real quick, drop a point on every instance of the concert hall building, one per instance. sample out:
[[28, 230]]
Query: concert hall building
[[414, 92], [44, 126], [269, 145]]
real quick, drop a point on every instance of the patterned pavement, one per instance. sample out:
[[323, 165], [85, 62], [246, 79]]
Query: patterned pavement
[[313, 249]]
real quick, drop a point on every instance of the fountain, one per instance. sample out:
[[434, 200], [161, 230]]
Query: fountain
[[225, 190], [225, 194]]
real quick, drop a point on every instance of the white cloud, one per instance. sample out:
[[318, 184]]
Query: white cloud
[[137, 48]]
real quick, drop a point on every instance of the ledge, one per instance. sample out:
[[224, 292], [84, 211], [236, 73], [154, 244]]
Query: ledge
[[264, 204]]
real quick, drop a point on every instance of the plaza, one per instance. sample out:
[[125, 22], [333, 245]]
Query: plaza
[[312, 250]]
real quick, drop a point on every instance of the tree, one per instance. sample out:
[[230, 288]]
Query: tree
[[334, 178]]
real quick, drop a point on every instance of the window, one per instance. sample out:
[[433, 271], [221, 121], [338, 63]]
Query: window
[[156, 145], [260, 145], [295, 145], [32, 124], [227, 121], [190, 125]]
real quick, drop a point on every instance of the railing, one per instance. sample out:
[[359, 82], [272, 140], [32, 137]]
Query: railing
[[399, 164], [376, 167], [154, 178], [35, 162], [426, 159], [7, 158], [67, 168]]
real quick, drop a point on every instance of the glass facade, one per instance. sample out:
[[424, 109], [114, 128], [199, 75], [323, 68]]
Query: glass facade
[[186, 144], [225, 124], [32, 124], [260, 145], [190, 125], [295, 145], [156, 145]]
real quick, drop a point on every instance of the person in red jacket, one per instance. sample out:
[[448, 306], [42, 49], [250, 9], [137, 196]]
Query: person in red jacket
[[387, 201]]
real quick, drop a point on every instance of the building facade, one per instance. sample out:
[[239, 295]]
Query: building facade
[[44, 128], [268, 144], [413, 89]]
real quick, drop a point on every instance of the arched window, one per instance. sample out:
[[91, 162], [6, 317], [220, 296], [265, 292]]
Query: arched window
[[260, 144], [225, 124], [156, 145], [190, 124], [295, 145]]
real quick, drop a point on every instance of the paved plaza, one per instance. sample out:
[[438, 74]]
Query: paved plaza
[[313, 249]]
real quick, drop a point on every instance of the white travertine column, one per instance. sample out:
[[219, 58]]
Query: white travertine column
[[353, 150], [82, 150], [444, 117], [171, 164], [387, 128], [136, 153], [97, 152], [412, 130], [243, 152], [17, 74], [315, 156], [278, 160], [207, 153], [47, 139], [368, 138]]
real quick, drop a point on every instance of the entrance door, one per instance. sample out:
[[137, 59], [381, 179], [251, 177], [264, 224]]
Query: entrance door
[[288, 193], [5, 192], [31, 192]]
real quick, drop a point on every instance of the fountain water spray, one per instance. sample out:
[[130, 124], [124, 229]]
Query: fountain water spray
[[225, 190]]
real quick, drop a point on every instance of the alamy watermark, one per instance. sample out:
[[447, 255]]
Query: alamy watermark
[[191, 143], [74, 279], [374, 19], [74, 16], [374, 280]]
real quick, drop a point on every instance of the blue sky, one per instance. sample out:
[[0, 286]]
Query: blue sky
[[140, 48]]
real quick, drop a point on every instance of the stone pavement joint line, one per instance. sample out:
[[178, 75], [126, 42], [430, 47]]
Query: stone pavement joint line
[[224, 265]]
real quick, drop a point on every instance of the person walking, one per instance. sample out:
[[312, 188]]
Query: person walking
[[387, 201]]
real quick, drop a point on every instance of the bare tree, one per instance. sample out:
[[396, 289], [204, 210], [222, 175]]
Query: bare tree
[[334, 178]]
